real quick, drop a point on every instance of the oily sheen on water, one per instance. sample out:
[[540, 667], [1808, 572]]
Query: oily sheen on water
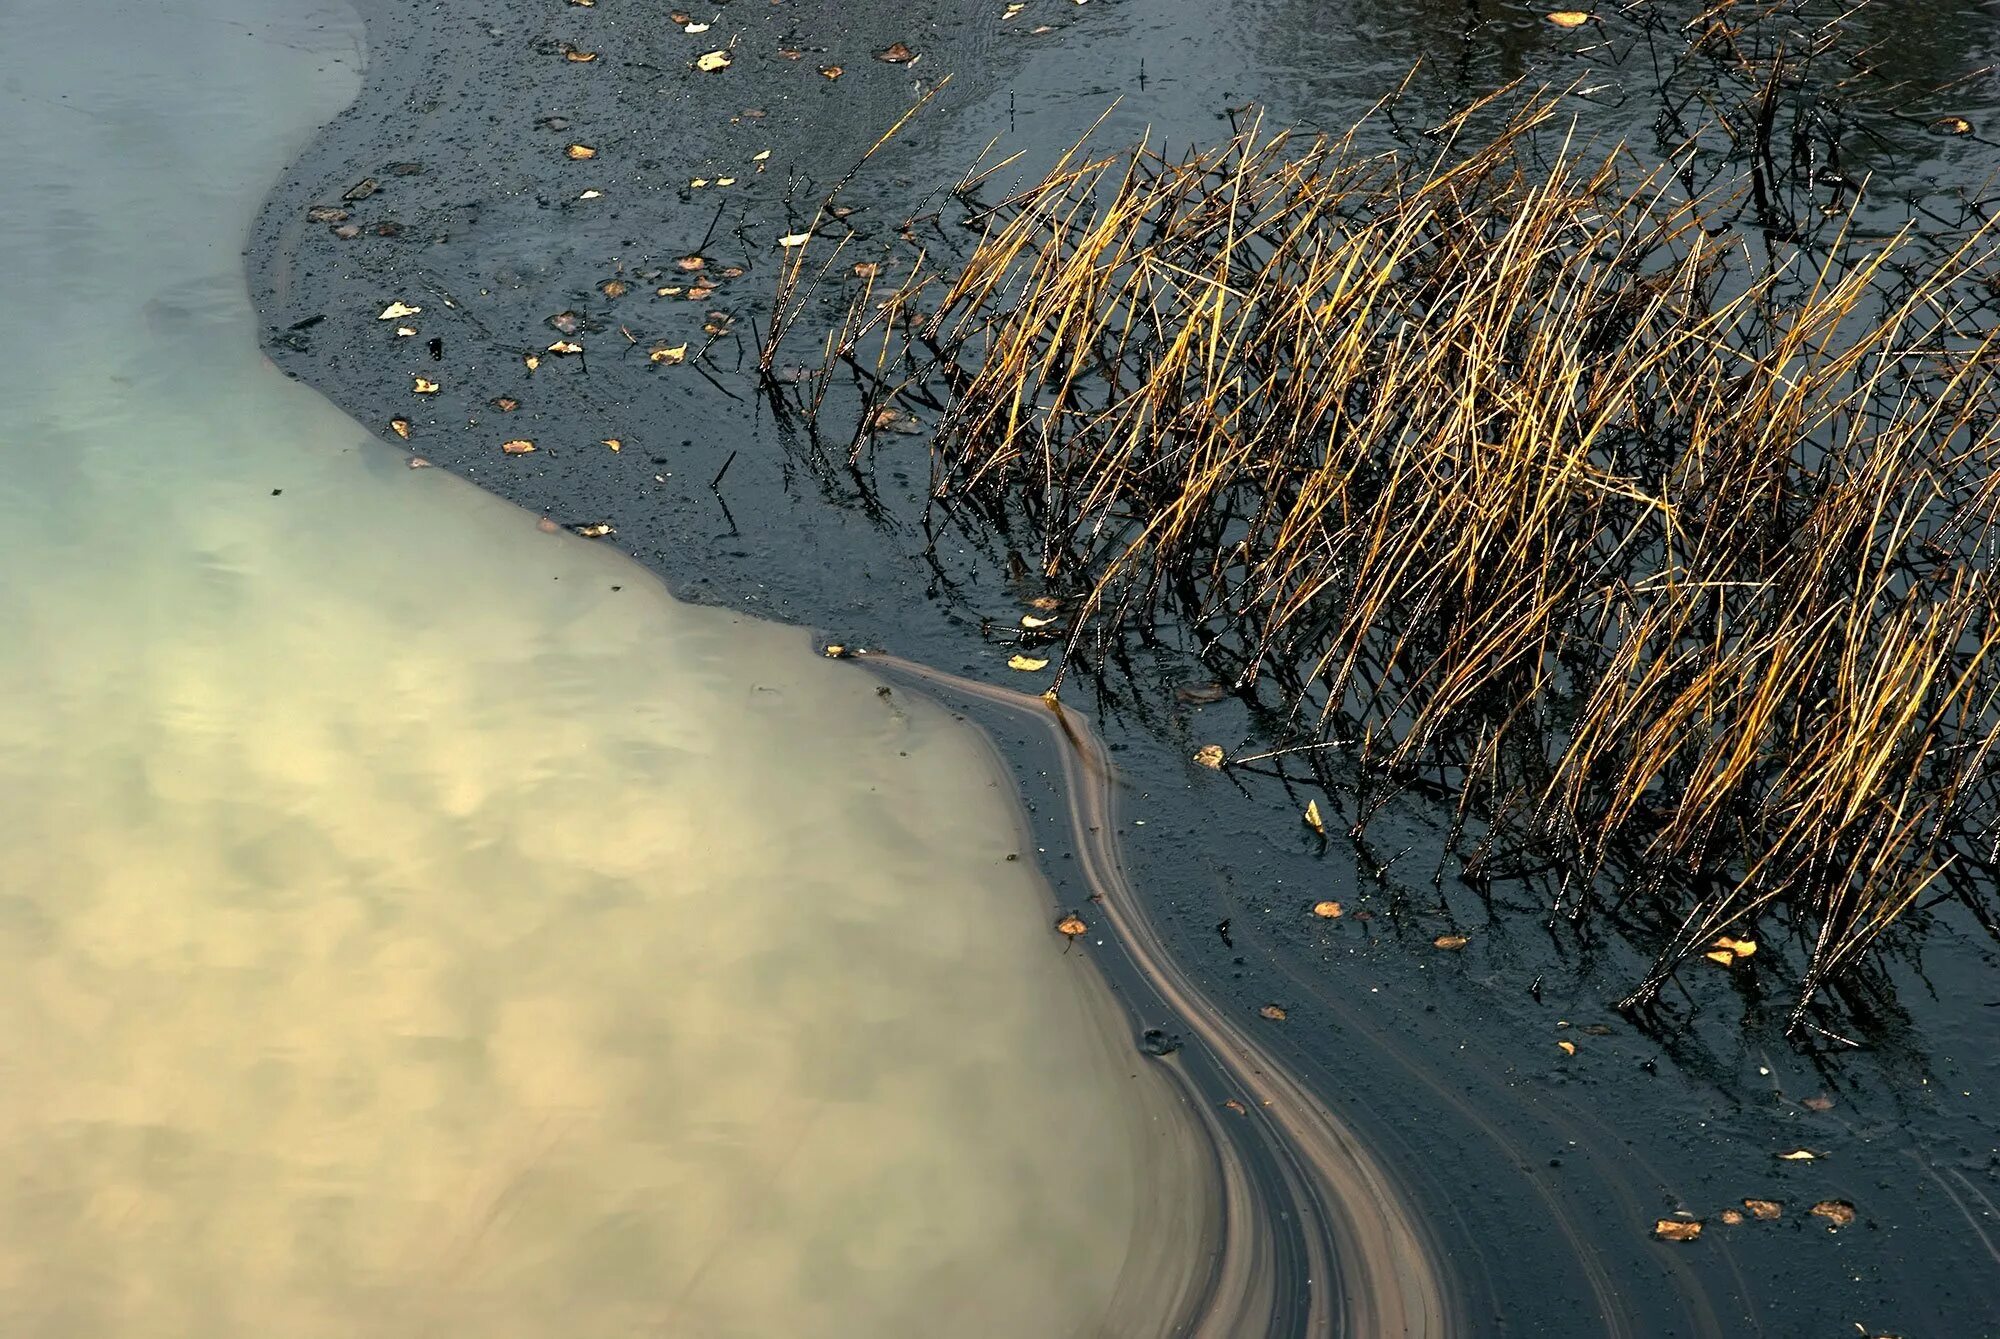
[[407, 932]]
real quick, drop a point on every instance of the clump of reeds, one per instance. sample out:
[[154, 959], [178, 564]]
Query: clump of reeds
[[1517, 470]]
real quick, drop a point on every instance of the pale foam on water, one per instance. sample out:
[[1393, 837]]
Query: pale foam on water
[[405, 933]]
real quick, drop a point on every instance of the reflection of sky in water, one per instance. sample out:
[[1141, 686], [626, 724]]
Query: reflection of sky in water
[[405, 931]]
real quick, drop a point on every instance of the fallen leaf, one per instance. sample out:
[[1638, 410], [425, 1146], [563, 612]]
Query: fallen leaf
[[347, 232], [1450, 941], [792, 239], [790, 52], [835, 651], [597, 530], [405, 331], [1742, 948], [1568, 18], [698, 182], [866, 269], [1765, 1209], [397, 310], [1798, 1155], [590, 195], [1818, 1103], [568, 322], [831, 71], [577, 55], [713, 61], [1045, 603], [612, 288], [1327, 911], [425, 386], [326, 214], [896, 54], [1677, 1229], [725, 181], [1838, 1212], [1209, 755], [673, 291], [401, 427], [1035, 621], [691, 263], [1732, 1216], [520, 446], [419, 463], [1274, 1012], [1237, 1107], [361, 190], [1312, 818], [565, 348], [678, 18], [1566, 1047], [664, 354], [760, 157], [613, 442], [1071, 925], [694, 29], [506, 404], [532, 362], [580, 152], [1030, 663], [1952, 125], [1721, 956]]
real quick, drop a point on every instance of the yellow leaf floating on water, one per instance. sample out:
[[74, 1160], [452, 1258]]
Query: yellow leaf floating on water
[[667, 354], [597, 530], [401, 427], [1838, 1212], [1035, 621], [792, 239], [532, 361], [578, 55], [1952, 125], [520, 446], [1312, 818], [1566, 1047], [1209, 755], [1045, 603], [1237, 1107], [1765, 1209], [1732, 1217], [1450, 941], [580, 152], [1798, 1155], [1071, 926], [1021, 662], [1274, 1012], [425, 386], [1677, 1229], [835, 651], [896, 54], [831, 71], [397, 310], [564, 348], [1568, 18], [1327, 911], [713, 61], [1728, 952], [613, 443]]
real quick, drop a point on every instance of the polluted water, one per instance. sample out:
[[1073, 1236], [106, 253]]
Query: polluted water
[[415, 922]]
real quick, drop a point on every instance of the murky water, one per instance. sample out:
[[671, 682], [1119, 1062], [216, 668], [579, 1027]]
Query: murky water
[[417, 924]]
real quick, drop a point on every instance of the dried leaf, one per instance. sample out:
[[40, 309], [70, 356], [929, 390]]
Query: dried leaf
[[590, 195], [1045, 603], [1566, 1047], [361, 190], [1765, 1209], [665, 354], [835, 651], [1071, 925], [1838, 1212], [1732, 1216], [1035, 621], [1274, 1012], [1327, 911], [577, 55], [866, 269], [580, 152], [1742, 948], [792, 239], [425, 386], [1209, 755], [691, 263], [1450, 941], [326, 214], [1029, 663], [597, 530], [405, 331], [760, 157], [1952, 125], [712, 61], [401, 427], [1568, 18], [694, 29], [831, 71], [1237, 1107], [1677, 1229], [565, 348], [613, 442], [506, 404], [1312, 818], [1798, 1155], [520, 446], [1819, 1103], [896, 54], [532, 362], [612, 288], [395, 311]]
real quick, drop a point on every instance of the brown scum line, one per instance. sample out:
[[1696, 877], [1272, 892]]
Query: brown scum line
[[1390, 1279]]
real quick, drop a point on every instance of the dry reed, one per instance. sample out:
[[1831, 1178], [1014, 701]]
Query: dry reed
[[1517, 470]]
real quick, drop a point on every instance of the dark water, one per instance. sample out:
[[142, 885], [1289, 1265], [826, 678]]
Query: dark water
[[1542, 1172]]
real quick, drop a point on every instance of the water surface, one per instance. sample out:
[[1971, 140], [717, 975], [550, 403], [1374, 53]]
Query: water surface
[[415, 922]]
